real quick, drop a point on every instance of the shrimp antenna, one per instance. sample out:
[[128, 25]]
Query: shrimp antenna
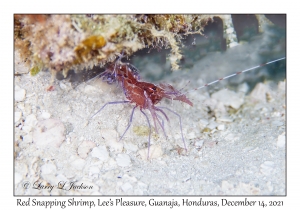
[[120, 56], [235, 74], [184, 86], [118, 59]]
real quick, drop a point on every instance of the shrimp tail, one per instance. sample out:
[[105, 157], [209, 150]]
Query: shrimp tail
[[171, 93]]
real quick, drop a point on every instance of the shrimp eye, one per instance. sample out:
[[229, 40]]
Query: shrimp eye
[[151, 89]]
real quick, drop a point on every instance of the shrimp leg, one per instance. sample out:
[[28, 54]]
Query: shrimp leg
[[129, 124], [149, 133], [161, 107], [114, 102]]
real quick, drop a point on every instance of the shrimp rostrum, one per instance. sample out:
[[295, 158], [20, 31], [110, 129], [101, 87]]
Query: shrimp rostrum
[[142, 94]]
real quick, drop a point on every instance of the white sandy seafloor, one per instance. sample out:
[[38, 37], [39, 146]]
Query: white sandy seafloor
[[236, 142]]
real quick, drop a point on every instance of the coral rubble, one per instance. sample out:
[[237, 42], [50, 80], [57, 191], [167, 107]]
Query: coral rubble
[[64, 42]]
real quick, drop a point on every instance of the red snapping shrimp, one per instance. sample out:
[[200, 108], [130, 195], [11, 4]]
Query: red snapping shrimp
[[143, 94], [146, 95]]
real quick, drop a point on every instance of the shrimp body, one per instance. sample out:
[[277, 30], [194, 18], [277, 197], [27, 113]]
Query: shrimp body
[[137, 91], [142, 94]]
